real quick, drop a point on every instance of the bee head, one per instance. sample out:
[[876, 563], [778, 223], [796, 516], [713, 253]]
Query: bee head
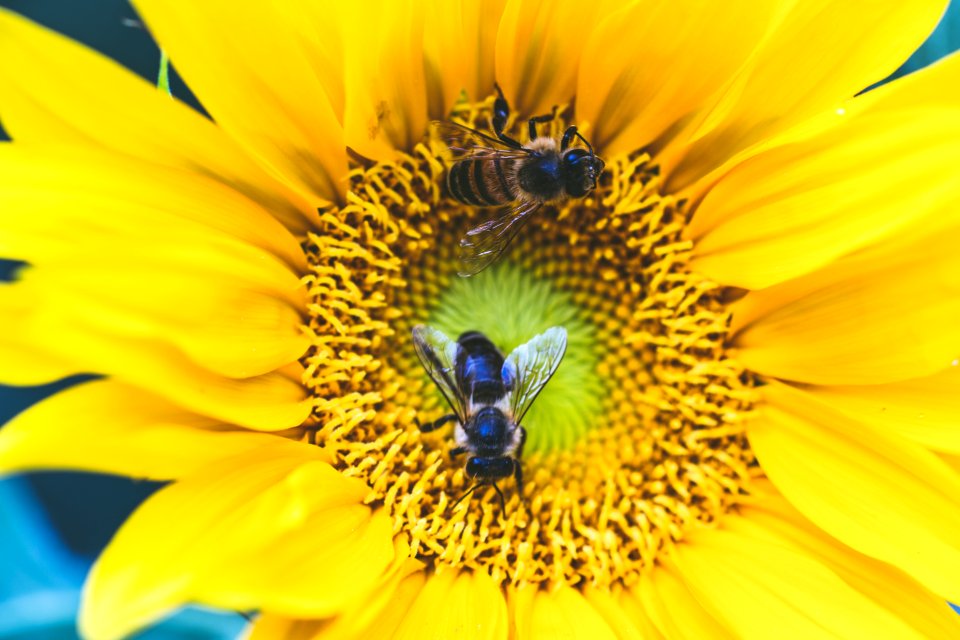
[[492, 468], [581, 168]]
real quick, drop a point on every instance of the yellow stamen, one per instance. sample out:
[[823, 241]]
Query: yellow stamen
[[664, 449]]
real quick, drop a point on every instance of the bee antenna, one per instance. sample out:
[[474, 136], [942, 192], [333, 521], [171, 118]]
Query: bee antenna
[[584, 140]]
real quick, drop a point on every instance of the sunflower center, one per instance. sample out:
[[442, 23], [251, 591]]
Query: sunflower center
[[512, 305], [636, 439]]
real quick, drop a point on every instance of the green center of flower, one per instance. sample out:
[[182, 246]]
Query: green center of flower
[[637, 438], [511, 306]]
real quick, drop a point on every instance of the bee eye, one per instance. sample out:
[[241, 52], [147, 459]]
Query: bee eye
[[580, 172]]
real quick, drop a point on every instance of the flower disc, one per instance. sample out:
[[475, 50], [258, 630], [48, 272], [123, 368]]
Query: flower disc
[[637, 438]]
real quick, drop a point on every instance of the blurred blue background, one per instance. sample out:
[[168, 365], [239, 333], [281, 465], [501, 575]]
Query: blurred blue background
[[52, 525]]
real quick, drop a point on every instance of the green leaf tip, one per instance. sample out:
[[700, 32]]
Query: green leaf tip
[[163, 77]]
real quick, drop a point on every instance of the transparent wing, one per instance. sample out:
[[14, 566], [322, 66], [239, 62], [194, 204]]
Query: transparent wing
[[465, 142], [437, 354], [528, 368], [482, 245]]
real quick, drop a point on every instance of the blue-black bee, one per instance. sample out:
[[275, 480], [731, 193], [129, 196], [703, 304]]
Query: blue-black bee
[[489, 395], [500, 171]]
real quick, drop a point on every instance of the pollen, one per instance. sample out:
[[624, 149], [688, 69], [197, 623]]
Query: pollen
[[638, 439]]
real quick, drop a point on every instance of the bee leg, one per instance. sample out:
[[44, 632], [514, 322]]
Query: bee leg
[[517, 466], [501, 113], [518, 477], [457, 451], [436, 424], [503, 503], [533, 122], [568, 137], [469, 491]]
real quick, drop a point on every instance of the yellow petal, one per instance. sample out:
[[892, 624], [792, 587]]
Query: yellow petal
[[233, 308], [221, 320], [109, 427], [70, 95], [277, 529], [386, 103], [790, 210], [270, 626], [637, 613], [56, 199], [674, 609], [255, 72], [930, 87], [271, 401], [372, 615], [882, 495], [337, 554], [923, 410], [770, 516], [762, 587], [378, 616], [935, 84], [880, 315], [560, 613], [392, 615], [538, 51], [365, 617], [171, 257], [648, 68], [819, 54], [624, 625], [27, 366], [267, 402], [318, 29], [452, 605], [951, 461], [459, 41]]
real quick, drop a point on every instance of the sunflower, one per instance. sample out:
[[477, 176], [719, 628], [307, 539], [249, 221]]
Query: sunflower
[[752, 434]]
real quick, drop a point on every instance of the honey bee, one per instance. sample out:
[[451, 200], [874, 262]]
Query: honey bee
[[489, 395], [501, 172]]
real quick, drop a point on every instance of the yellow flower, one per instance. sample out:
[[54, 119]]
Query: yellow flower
[[752, 435]]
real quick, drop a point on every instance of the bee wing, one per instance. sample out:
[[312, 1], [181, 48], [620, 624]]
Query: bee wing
[[482, 245], [437, 354], [528, 368], [465, 142]]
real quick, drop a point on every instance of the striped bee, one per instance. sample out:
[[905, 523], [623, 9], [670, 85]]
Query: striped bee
[[500, 172], [489, 396]]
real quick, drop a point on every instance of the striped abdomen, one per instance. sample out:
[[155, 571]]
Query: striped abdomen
[[483, 181]]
